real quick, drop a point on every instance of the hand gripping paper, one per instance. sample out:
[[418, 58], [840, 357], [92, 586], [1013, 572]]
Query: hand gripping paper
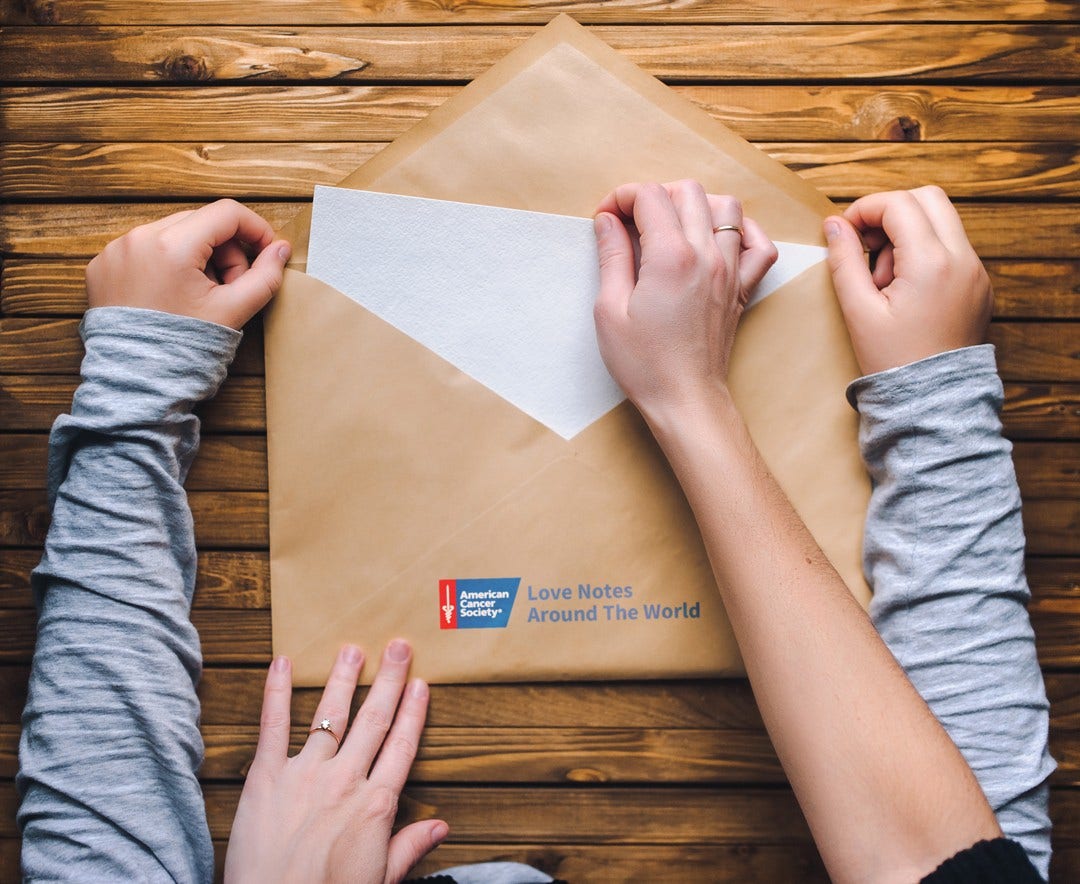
[[504, 295]]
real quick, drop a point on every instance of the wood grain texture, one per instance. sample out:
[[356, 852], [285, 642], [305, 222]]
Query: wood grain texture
[[232, 696], [238, 520], [265, 170], [235, 579], [53, 346], [348, 12], [797, 52], [336, 113], [225, 580], [32, 402], [224, 463], [615, 756], [238, 463], [116, 112], [1020, 230], [1026, 351], [244, 636], [1022, 289]]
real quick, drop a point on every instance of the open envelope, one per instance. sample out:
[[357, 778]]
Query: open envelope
[[408, 499]]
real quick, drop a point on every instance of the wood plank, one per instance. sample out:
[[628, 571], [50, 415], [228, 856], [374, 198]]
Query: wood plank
[[243, 636], [224, 463], [223, 519], [972, 52], [586, 815], [1037, 351], [238, 463], [1035, 289], [331, 12], [1026, 351], [1022, 289], [238, 637], [231, 579], [232, 696], [544, 755], [76, 230], [1041, 411], [264, 170], [607, 815], [225, 580], [553, 755], [339, 113], [1052, 528], [53, 346], [32, 402], [69, 230]]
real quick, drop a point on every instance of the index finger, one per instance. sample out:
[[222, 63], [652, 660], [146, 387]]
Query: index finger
[[620, 201], [897, 213], [220, 222]]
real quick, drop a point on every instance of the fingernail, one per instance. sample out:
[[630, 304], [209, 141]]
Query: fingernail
[[398, 651], [832, 230], [284, 251], [280, 664], [439, 831], [351, 654], [602, 223], [419, 688]]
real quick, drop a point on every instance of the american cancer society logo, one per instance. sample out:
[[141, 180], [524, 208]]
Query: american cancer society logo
[[477, 603]]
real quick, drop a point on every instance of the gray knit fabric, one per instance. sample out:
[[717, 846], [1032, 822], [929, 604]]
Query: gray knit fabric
[[110, 744], [944, 554], [110, 741]]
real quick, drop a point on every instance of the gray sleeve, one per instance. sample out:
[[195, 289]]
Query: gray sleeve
[[110, 740], [944, 554]]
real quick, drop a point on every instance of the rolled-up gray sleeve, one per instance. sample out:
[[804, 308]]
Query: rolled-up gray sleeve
[[944, 554], [110, 742]]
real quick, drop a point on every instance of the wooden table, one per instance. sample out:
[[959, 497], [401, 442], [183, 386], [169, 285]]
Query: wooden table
[[115, 112]]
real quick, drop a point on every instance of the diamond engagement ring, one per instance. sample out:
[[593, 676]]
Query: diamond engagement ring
[[324, 725]]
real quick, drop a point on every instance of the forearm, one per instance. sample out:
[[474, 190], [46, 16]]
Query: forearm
[[944, 552], [847, 725], [110, 743]]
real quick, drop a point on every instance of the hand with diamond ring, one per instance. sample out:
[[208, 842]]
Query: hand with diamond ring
[[326, 813]]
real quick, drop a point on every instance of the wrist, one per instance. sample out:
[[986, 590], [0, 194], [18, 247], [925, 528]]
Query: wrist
[[691, 412]]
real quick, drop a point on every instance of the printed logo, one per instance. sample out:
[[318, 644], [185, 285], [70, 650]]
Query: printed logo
[[477, 603]]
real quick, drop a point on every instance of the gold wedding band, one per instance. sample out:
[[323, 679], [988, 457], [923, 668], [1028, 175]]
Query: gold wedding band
[[324, 725], [734, 227]]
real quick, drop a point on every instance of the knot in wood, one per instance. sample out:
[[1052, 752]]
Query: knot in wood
[[586, 775], [905, 129], [41, 12], [185, 68]]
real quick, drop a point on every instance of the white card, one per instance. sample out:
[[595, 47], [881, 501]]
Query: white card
[[504, 295]]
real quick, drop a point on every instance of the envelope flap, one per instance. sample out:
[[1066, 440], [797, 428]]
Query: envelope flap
[[594, 120]]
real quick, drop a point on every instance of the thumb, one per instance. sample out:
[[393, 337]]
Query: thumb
[[411, 845], [855, 289], [616, 254], [249, 293]]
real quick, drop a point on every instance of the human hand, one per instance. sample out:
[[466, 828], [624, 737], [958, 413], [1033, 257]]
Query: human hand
[[666, 328], [928, 292], [326, 813], [192, 263]]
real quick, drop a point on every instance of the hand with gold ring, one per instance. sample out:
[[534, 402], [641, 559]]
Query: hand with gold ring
[[677, 266], [326, 813]]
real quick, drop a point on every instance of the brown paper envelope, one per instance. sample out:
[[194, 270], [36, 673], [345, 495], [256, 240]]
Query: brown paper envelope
[[391, 470]]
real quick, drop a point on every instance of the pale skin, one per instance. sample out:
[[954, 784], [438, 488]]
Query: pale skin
[[887, 795], [325, 814]]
